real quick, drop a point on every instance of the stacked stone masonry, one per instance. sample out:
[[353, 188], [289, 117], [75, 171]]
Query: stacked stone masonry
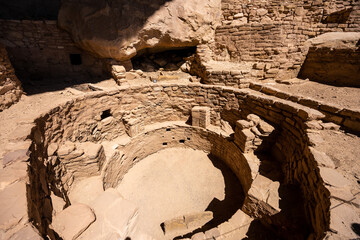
[[344, 117], [157, 101], [10, 86], [173, 102], [273, 33], [40, 50]]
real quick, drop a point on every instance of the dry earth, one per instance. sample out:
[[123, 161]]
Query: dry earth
[[344, 96], [171, 183]]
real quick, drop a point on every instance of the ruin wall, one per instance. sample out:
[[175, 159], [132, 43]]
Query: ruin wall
[[273, 33], [40, 50], [10, 86], [172, 102]]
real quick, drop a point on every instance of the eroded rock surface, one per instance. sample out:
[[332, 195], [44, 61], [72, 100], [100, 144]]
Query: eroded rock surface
[[73, 221], [120, 29], [333, 58]]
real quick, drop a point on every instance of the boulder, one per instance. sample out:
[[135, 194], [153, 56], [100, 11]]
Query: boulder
[[333, 58], [119, 29], [335, 40]]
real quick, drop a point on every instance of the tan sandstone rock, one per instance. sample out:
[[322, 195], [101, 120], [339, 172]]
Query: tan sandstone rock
[[120, 29], [116, 217], [187, 223], [263, 197], [13, 204], [73, 221]]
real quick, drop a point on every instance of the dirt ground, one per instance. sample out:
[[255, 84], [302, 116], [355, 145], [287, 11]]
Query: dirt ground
[[171, 183], [348, 97], [343, 148]]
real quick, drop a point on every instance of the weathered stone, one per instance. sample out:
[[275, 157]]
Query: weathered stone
[[200, 116], [325, 62], [18, 155], [13, 173], [261, 12], [73, 221], [212, 233], [26, 233], [13, 205], [333, 177], [110, 223], [198, 236], [58, 204], [321, 158], [86, 190], [342, 217], [185, 224], [175, 24], [263, 197]]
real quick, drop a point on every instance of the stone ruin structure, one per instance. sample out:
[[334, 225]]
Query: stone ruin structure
[[166, 119]]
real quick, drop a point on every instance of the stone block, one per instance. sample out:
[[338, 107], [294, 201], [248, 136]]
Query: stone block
[[174, 227], [196, 220], [212, 233], [187, 223], [73, 221], [353, 125], [12, 173], [135, 129], [333, 177], [263, 197], [17, 155], [200, 116], [13, 204], [86, 190], [118, 72], [321, 158], [198, 236]]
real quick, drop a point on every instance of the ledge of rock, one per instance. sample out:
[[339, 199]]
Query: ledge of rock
[[120, 29], [337, 40]]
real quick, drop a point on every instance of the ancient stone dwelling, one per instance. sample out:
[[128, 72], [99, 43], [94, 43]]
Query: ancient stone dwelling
[[179, 119]]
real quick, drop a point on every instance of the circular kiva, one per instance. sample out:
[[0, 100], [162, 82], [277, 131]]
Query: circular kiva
[[82, 151]]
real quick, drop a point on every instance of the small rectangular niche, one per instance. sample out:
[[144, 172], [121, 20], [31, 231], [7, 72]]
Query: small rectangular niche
[[75, 59]]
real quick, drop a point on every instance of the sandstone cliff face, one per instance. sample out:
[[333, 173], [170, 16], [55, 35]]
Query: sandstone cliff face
[[119, 29]]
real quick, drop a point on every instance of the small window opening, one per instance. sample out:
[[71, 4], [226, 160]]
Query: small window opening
[[168, 129], [188, 139], [106, 114], [164, 143], [182, 141], [75, 59]]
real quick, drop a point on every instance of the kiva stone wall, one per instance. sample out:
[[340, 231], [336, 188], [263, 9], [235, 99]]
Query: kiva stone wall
[[172, 102], [273, 33], [10, 86], [40, 50], [344, 117], [177, 134]]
